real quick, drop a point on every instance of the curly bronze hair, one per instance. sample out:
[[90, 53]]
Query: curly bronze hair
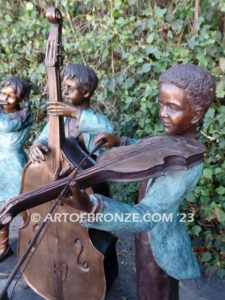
[[197, 83]]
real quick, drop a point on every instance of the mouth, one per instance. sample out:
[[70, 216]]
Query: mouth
[[166, 123]]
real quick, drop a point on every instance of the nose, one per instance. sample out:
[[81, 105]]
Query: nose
[[65, 91], [163, 112]]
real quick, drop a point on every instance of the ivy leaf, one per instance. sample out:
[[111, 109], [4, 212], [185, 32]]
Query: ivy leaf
[[160, 12], [191, 197], [146, 68], [117, 3], [207, 173], [192, 42], [150, 38], [196, 230], [221, 273], [220, 190], [177, 25], [206, 256], [210, 113], [129, 82], [221, 216]]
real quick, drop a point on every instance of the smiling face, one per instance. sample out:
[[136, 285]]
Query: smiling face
[[9, 95], [72, 94], [175, 112]]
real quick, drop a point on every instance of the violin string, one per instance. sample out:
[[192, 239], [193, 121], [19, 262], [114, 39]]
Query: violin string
[[52, 211]]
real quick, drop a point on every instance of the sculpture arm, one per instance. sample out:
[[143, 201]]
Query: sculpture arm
[[8, 124], [43, 137], [94, 123], [90, 125], [162, 197]]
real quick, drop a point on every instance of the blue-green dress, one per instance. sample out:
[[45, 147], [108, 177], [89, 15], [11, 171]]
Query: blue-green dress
[[14, 130]]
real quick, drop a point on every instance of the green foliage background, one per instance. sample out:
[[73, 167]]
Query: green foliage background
[[129, 44]]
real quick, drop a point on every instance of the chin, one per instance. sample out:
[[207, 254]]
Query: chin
[[169, 130]]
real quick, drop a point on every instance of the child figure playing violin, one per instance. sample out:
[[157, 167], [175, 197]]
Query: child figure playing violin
[[163, 249], [15, 124]]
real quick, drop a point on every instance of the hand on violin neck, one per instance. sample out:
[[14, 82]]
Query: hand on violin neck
[[38, 152], [109, 139], [64, 110], [81, 200]]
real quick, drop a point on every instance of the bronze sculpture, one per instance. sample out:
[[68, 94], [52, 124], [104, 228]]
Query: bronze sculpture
[[153, 157], [15, 124], [67, 253]]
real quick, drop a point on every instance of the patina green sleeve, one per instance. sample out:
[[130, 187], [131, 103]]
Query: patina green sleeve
[[90, 125], [162, 198]]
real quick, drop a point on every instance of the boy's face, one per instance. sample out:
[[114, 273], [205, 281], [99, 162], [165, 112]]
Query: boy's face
[[175, 110], [9, 95], [72, 94]]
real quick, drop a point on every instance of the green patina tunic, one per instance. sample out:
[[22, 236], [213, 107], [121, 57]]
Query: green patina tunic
[[14, 130], [170, 243]]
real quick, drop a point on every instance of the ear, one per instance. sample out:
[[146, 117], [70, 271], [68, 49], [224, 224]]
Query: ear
[[87, 93], [197, 115], [21, 101]]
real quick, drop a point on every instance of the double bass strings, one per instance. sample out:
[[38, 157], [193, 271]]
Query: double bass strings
[[47, 223]]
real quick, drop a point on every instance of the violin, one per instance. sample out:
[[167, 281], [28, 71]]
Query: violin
[[150, 158]]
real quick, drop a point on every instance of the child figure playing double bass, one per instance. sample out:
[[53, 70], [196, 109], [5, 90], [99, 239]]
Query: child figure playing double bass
[[81, 122]]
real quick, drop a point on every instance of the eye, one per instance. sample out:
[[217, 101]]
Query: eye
[[173, 107]]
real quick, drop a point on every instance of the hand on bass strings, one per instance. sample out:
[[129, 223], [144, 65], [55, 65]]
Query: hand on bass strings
[[38, 152], [63, 110]]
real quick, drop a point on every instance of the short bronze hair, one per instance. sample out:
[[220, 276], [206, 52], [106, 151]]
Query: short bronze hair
[[20, 86], [86, 78], [197, 83]]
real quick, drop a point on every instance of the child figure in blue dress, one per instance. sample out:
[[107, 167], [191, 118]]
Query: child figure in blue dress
[[15, 124]]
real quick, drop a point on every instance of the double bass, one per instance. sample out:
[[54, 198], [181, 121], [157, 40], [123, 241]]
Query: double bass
[[71, 262]]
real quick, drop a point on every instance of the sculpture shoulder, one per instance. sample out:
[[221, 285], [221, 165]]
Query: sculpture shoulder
[[171, 188], [94, 123]]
